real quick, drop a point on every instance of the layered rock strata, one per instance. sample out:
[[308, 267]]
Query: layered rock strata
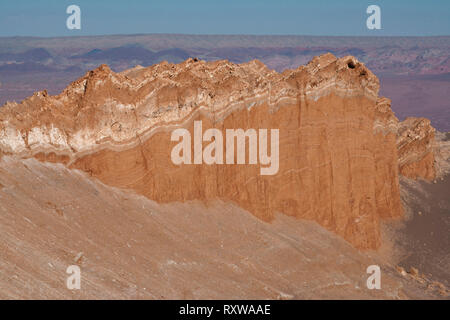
[[337, 138], [415, 144]]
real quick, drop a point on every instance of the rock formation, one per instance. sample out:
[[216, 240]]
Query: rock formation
[[337, 138], [441, 151], [415, 144]]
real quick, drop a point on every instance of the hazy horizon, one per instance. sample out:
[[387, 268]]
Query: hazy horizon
[[232, 35]]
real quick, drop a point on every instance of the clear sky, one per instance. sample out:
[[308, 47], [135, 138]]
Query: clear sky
[[47, 18]]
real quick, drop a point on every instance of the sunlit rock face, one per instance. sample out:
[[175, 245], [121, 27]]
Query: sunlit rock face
[[415, 143], [338, 162]]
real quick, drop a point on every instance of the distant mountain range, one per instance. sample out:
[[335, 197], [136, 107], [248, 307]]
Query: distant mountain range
[[413, 66]]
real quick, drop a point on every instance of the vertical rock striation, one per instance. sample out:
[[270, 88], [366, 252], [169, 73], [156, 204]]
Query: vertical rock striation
[[338, 162]]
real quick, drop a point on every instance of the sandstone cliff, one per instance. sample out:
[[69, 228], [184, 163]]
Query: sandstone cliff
[[337, 138], [415, 144]]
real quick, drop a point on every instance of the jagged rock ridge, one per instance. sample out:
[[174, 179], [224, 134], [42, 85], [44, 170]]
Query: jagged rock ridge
[[338, 154]]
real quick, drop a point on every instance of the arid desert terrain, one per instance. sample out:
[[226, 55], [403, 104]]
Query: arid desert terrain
[[87, 175]]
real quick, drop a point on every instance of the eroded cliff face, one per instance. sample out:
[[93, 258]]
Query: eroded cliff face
[[337, 138], [415, 144]]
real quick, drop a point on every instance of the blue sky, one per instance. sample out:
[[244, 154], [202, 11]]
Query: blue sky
[[47, 18]]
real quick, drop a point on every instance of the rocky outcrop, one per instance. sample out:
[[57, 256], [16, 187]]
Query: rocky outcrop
[[441, 150], [337, 138], [415, 144]]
